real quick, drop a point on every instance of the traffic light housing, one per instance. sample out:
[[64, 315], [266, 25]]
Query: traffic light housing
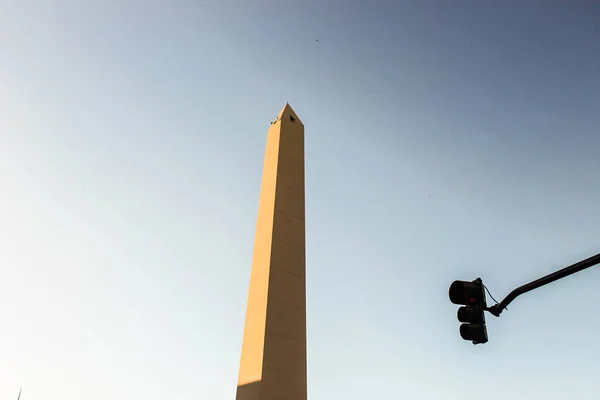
[[471, 295]]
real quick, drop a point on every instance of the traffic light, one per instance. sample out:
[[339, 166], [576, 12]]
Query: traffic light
[[472, 296]]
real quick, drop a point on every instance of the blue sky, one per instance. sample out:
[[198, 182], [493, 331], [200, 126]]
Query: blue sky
[[444, 140]]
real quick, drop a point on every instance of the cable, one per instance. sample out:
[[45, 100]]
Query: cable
[[488, 291]]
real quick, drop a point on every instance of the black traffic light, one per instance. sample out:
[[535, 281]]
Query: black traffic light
[[472, 296]]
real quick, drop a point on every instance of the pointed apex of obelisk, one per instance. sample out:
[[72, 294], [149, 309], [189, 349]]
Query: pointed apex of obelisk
[[288, 113]]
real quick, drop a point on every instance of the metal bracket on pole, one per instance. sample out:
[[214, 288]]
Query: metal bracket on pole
[[497, 309]]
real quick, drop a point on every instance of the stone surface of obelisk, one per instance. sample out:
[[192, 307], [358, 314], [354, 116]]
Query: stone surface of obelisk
[[273, 360]]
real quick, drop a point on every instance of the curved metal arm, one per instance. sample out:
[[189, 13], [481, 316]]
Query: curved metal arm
[[496, 310]]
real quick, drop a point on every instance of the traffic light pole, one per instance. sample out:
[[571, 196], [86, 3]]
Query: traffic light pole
[[496, 310]]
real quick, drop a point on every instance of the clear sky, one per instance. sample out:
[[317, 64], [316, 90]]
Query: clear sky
[[444, 140]]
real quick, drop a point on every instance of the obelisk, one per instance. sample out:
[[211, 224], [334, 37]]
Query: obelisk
[[273, 361]]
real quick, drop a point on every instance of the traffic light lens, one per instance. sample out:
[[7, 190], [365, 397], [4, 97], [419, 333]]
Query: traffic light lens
[[474, 333], [466, 293], [471, 315]]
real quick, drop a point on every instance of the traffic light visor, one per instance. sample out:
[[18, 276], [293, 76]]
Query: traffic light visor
[[475, 333], [471, 315], [466, 293]]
